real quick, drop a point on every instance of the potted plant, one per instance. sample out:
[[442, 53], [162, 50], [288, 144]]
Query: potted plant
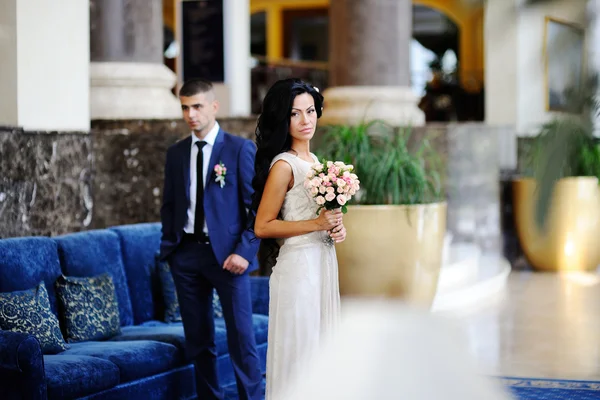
[[397, 221], [557, 202]]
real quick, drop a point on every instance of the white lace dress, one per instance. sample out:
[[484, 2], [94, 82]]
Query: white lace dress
[[304, 301]]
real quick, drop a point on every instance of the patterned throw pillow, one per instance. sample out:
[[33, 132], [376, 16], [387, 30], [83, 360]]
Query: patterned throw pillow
[[172, 311], [217, 308], [89, 307], [29, 311]]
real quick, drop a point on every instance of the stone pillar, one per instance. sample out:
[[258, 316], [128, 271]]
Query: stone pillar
[[370, 63], [473, 183], [44, 67], [236, 37], [593, 48], [128, 77]]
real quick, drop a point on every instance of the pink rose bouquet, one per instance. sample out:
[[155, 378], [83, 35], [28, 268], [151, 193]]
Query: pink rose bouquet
[[332, 184]]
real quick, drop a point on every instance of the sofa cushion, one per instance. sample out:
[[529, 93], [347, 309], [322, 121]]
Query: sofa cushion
[[172, 312], [168, 333], [260, 294], [260, 325], [92, 253], [89, 307], [73, 376], [28, 311], [154, 330], [139, 243], [173, 333], [24, 262], [135, 359]]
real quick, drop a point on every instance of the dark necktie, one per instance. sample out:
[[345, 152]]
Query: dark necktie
[[199, 214]]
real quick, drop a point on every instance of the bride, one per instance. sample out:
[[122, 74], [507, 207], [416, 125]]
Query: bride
[[304, 294]]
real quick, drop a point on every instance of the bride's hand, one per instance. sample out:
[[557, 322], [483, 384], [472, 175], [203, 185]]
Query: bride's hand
[[329, 219], [338, 234]]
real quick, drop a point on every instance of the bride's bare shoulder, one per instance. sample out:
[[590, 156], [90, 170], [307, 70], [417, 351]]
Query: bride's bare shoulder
[[282, 173]]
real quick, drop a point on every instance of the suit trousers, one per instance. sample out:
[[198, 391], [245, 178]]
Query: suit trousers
[[196, 272]]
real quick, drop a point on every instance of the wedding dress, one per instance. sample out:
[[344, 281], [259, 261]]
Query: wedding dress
[[386, 350], [304, 305]]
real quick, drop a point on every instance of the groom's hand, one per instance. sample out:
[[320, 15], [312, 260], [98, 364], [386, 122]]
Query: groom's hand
[[236, 264]]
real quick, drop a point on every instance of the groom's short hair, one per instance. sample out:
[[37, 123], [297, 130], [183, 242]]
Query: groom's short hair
[[193, 87]]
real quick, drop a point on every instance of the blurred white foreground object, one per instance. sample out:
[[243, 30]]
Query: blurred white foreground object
[[385, 350]]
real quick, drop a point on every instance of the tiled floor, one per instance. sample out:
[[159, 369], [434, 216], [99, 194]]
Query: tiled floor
[[546, 325]]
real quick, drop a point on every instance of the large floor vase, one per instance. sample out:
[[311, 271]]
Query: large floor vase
[[569, 239], [393, 251]]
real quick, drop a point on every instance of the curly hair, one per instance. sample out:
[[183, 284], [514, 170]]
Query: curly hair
[[272, 130]]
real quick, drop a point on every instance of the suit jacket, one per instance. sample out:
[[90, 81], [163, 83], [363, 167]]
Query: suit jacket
[[225, 209]]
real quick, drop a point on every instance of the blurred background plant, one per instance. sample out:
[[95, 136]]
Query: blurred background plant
[[392, 168], [565, 147]]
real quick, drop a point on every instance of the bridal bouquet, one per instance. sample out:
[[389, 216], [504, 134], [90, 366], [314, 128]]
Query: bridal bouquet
[[332, 184]]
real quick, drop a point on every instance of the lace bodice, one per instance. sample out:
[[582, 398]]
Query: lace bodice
[[298, 204]]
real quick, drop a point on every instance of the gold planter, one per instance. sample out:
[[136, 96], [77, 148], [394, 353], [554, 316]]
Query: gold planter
[[393, 251], [569, 241]]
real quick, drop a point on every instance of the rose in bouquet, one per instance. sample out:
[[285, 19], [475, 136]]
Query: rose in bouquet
[[332, 184]]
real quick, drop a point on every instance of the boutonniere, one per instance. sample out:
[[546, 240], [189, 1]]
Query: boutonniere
[[220, 172]]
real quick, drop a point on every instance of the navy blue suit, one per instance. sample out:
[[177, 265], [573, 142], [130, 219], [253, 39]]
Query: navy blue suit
[[198, 267]]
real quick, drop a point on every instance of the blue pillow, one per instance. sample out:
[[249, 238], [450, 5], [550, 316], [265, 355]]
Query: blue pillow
[[89, 307], [172, 311], [28, 311]]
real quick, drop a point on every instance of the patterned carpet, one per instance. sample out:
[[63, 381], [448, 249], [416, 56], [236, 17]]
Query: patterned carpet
[[552, 389]]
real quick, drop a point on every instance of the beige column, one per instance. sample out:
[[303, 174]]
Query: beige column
[[128, 77], [44, 65], [236, 35], [370, 63]]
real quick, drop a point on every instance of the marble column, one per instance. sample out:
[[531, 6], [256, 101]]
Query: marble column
[[370, 63], [128, 77], [44, 67], [473, 185]]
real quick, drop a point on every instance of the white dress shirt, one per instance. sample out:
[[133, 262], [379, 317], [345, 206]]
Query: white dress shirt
[[206, 153]]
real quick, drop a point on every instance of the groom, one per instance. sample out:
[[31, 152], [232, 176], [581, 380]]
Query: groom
[[207, 191]]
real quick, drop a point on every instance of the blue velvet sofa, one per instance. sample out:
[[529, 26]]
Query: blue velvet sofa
[[146, 360]]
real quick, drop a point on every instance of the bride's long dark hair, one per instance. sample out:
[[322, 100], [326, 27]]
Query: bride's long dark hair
[[273, 129], [273, 137]]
